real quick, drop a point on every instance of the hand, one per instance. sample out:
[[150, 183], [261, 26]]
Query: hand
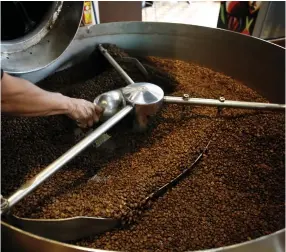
[[85, 113]]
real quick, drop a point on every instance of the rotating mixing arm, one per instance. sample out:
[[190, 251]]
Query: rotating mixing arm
[[32, 184], [118, 68], [145, 98], [186, 100], [137, 95], [222, 103]]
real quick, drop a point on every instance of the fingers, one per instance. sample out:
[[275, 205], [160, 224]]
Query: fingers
[[94, 114], [98, 109], [87, 116], [95, 118], [97, 113], [85, 113]]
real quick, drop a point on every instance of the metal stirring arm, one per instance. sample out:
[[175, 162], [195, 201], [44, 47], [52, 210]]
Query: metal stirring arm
[[30, 185], [118, 68], [139, 95], [148, 95], [75, 228], [222, 103], [33, 183]]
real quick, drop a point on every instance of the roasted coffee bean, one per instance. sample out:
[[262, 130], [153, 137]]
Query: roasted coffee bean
[[236, 193]]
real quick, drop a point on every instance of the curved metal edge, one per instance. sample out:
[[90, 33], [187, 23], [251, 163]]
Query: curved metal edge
[[17, 45], [64, 230], [51, 47], [261, 66], [242, 57], [85, 41], [55, 220], [133, 28], [266, 243], [32, 243]]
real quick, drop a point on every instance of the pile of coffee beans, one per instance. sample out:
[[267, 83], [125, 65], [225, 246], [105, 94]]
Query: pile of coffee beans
[[236, 193]]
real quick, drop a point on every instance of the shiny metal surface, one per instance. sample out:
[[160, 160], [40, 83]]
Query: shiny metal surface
[[124, 75], [258, 64], [143, 93], [33, 183], [22, 241], [19, 240], [36, 35], [111, 102], [146, 98], [65, 229], [44, 45], [224, 103]]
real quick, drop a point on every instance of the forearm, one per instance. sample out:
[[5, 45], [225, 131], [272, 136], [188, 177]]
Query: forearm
[[21, 97]]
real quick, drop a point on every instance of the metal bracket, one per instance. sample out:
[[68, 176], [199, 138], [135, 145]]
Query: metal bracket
[[186, 97], [219, 109], [184, 108], [138, 64]]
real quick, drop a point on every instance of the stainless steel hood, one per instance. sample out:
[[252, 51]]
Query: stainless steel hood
[[40, 43]]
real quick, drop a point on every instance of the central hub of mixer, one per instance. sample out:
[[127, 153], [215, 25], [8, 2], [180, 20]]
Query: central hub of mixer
[[146, 98], [143, 94]]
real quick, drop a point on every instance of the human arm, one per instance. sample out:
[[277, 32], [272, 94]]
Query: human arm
[[23, 98]]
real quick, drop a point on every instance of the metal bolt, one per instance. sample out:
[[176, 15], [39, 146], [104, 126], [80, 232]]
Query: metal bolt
[[184, 108], [219, 109], [221, 99], [186, 96]]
